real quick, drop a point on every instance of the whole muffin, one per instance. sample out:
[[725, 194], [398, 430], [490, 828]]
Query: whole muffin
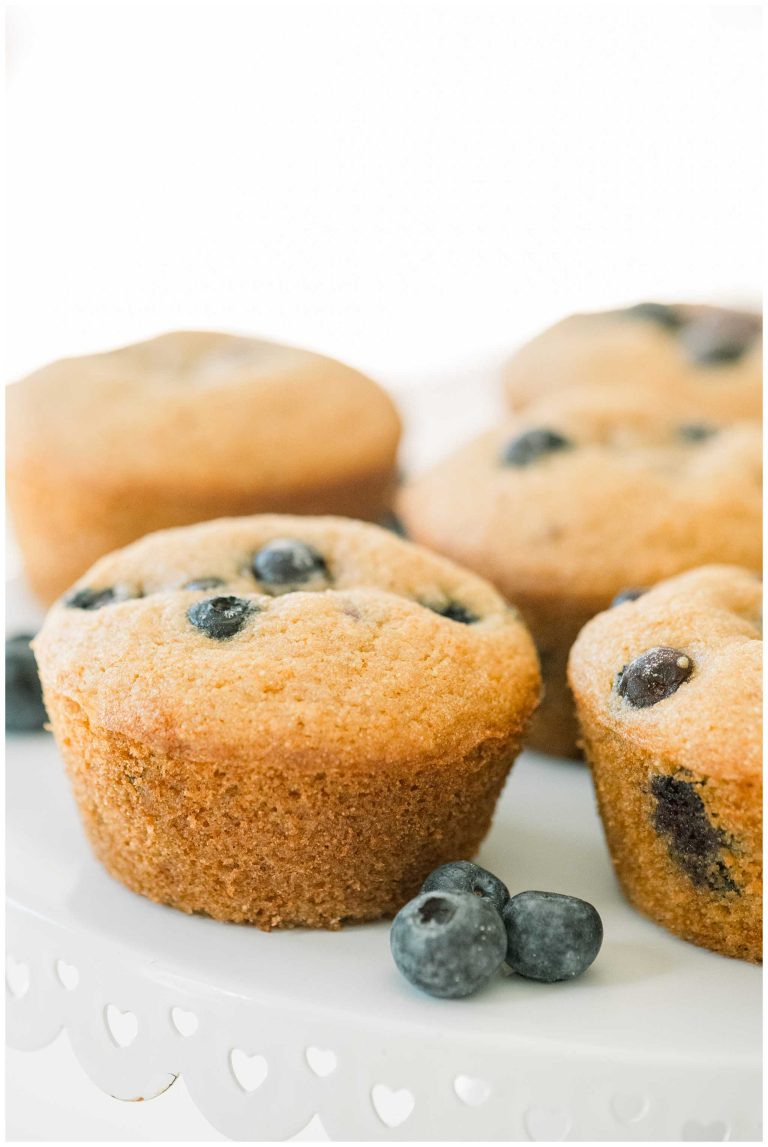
[[579, 498], [669, 696], [705, 359], [183, 428], [285, 721]]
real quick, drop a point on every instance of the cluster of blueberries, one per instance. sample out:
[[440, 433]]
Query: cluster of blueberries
[[456, 934], [280, 566]]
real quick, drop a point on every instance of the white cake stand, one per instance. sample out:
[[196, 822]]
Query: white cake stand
[[658, 1041]]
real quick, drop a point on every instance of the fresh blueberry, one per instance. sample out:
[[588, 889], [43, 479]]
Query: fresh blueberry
[[532, 445], [551, 937], [696, 431], [627, 595], [24, 709], [448, 943], [661, 313], [288, 562], [653, 676], [220, 617], [204, 583], [464, 876], [93, 598], [455, 612]]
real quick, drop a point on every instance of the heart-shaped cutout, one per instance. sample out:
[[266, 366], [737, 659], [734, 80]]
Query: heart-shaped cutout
[[547, 1124], [392, 1107], [471, 1091], [249, 1071], [122, 1026], [186, 1023], [629, 1108], [321, 1060], [16, 977], [714, 1132], [69, 977]]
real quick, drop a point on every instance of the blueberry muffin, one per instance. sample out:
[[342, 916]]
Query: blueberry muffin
[[668, 689], [694, 358], [183, 428], [285, 721], [583, 496]]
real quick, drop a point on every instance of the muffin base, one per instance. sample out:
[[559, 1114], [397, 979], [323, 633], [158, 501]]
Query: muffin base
[[665, 864], [293, 845], [63, 527]]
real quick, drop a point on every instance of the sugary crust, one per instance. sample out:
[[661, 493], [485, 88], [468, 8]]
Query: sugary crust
[[327, 673], [275, 842], [182, 428], [630, 504], [706, 736], [611, 348], [341, 727]]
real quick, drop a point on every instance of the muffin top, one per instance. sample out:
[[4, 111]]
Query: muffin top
[[695, 358], [196, 408], [321, 642], [678, 672], [589, 492]]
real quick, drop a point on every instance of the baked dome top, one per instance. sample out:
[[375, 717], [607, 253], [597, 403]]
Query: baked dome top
[[321, 640], [199, 408]]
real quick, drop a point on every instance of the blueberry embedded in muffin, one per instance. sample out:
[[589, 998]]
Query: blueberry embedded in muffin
[[720, 337], [696, 431], [532, 445], [220, 617], [688, 358], [286, 563], [664, 315], [90, 598], [694, 842], [654, 675]]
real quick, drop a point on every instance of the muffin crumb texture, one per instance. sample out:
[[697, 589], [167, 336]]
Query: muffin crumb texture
[[299, 750], [677, 764]]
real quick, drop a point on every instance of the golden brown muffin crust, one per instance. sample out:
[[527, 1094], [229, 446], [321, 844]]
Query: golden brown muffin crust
[[184, 407], [184, 428], [631, 502], [679, 781], [360, 646], [313, 767], [618, 348], [636, 497]]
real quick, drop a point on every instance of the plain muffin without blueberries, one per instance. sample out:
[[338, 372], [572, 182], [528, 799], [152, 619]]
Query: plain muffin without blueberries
[[684, 356], [669, 695], [186, 427], [285, 721], [581, 497]]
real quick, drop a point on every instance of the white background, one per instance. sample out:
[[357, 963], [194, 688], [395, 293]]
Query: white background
[[412, 186]]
